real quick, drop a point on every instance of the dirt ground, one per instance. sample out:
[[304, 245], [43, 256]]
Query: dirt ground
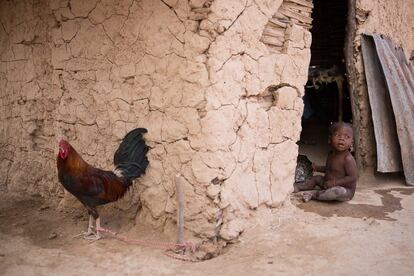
[[371, 235]]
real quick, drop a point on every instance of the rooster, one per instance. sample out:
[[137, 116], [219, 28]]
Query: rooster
[[93, 186]]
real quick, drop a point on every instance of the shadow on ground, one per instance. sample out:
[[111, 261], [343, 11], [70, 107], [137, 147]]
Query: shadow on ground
[[390, 204]]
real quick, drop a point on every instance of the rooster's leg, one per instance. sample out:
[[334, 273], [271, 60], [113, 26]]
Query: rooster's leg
[[89, 231], [95, 236], [93, 215], [90, 225], [98, 227]]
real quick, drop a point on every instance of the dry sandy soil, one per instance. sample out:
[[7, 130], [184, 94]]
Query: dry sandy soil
[[371, 235]]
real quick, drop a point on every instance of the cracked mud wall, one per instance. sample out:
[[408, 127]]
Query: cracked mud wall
[[27, 99], [394, 19], [222, 108]]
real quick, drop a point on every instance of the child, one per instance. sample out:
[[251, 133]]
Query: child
[[339, 181]]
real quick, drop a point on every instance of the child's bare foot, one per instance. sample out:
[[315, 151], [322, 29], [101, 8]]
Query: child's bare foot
[[307, 196], [296, 185]]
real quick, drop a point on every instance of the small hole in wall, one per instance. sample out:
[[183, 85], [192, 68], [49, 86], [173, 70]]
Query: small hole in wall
[[216, 181]]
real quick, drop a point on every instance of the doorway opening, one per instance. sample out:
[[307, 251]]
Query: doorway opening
[[326, 98]]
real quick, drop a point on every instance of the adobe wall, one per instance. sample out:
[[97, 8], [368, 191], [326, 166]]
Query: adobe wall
[[394, 19], [222, 107], [28, 99]]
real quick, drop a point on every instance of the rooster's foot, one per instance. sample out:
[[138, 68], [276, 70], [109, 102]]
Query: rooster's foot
[[93, 237], [84, 234]]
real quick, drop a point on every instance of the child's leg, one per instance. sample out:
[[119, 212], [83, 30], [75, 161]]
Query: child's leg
[[309, 184], [335, 193]]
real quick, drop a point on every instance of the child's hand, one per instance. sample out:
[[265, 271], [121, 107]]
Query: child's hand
[[330, 183]]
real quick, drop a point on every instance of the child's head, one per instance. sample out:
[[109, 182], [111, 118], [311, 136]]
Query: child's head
[[341, 136]]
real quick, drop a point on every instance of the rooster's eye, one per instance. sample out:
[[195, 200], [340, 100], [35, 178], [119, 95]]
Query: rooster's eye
[[62, 153]]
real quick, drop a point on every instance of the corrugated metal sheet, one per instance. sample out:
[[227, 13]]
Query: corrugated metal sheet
[[398, 74], [388, 148]]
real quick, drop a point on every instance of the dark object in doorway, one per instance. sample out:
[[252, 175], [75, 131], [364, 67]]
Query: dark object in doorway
[[304, 168]]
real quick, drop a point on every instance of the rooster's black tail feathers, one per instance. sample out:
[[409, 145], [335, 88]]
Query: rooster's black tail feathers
[[131, 156]]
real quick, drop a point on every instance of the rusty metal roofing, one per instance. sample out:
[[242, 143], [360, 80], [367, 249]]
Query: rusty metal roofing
[[390, 80]]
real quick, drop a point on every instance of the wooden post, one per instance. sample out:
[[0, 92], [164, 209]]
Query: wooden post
[[351, 76], [180, 208], [339, 83]]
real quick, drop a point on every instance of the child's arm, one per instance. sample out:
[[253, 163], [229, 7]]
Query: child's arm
[[351, 172], [317, 168]]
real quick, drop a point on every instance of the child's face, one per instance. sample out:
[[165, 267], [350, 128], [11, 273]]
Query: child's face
[[341, 139]]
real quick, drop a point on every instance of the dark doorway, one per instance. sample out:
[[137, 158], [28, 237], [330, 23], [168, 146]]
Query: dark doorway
[[326, 96]]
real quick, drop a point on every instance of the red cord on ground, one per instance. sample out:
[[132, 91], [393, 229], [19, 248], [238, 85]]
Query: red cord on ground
[[168, 246]]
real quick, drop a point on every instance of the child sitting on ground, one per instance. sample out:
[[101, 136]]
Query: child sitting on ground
[[339, 181]]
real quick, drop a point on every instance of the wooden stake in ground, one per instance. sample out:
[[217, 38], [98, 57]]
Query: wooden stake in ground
[[180, 208]]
